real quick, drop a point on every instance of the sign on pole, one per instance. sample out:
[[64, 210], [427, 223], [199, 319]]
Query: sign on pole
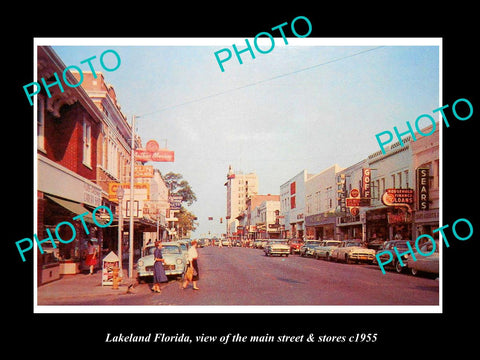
[[152, 152]]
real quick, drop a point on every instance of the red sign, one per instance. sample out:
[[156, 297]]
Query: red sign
[[354, 193], [393, 197], [355, 202], [161, 155], [366, 177]]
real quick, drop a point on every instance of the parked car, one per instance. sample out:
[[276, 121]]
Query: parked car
[[388, 247], [351, 251], [184, 245], [308, 248], [175, 260], [325, 249], [257, 244], [277, 247], [425, 264], [295, 245]]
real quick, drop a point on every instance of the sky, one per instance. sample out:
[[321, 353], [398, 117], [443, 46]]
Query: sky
[[306, 105]]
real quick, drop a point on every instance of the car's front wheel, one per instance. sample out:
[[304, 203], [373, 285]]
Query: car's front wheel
[[398, 267]]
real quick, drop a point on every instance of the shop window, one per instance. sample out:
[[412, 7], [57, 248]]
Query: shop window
[[41, 123], [87, 143]]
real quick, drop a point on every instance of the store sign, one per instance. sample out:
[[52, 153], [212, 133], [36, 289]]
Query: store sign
[[423, 188], [392, 197], [176, 203], [356, 202], [143, 171], [152, 152], [366, 177], [141, 191], [342, 192], [162, 155]]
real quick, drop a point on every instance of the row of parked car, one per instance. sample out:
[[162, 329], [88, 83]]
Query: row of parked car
[[354, 251]]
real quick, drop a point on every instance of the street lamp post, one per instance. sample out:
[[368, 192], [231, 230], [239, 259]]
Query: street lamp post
[[132, 175], [120, 194]]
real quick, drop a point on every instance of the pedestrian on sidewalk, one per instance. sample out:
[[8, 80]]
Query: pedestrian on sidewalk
[[91, 260], [158, 269], [192, 257]]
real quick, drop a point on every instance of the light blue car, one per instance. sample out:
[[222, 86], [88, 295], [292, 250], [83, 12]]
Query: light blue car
[[174, 265], [325, 249]]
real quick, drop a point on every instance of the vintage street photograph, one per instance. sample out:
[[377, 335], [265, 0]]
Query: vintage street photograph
[[265, 174]]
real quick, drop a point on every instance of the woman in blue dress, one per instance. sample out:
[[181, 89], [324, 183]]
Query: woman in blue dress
[[158, 270]]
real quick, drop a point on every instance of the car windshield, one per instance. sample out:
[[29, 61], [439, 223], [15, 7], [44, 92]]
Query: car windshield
[[279, 242], [332, 243], [171, 249], [353, 243], [400, 245], [166, 249], [149, 250]]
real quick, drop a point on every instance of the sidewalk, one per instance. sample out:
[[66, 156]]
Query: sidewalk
[[69, 289]]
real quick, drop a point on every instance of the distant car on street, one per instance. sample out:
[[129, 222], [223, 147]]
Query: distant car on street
[[425, 264], [226, 242], [295, 245], [308, 247], [351, 251], [175, 260], [277, 247], [325, 249], [388, 250]]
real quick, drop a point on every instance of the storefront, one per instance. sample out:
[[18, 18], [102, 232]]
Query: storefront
[[389, 223], [62, 195], [425, 222], [350, 227], [320, 226]]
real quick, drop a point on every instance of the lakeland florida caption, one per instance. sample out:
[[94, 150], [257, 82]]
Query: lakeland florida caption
[[158, 337]]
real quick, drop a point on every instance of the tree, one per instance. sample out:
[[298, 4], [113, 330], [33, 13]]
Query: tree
[[180, 187], [186, 222]]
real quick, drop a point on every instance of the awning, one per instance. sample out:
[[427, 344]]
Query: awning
[[75, 208]]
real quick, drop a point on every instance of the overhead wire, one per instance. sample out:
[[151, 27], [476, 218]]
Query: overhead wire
[[264, 80]]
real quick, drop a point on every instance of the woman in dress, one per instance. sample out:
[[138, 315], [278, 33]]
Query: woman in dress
[[91, 260], [158, 270], [192, 259]]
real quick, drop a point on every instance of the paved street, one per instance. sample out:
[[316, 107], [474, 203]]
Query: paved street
[[243, 276]]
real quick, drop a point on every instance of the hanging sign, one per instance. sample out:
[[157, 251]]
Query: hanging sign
[[152, 152], [392, 197], [366, 177], [423, 191]]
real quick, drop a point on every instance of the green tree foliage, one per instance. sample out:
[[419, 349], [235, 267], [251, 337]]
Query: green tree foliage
[[180, 187], [186, 222]]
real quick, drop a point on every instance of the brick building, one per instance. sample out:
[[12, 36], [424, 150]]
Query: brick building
[[68, 127]]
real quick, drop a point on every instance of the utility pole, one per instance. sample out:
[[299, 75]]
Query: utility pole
[[132, 175]]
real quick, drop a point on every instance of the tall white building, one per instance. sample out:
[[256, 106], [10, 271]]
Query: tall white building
[[239, 188], [321, 203], [292, 205]]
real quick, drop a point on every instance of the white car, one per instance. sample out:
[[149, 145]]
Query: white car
[[325, 249], [351, 251], [175, 260], [277, 247]]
